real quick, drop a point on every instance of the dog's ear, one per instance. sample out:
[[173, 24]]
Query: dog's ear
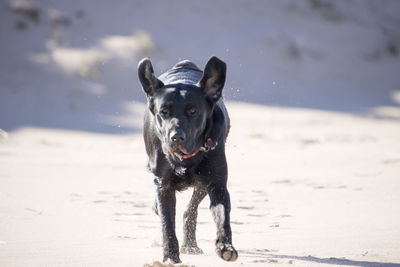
[[213, 79], [146, 76]]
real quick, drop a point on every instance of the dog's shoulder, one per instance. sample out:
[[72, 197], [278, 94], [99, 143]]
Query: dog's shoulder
[[220, 124]]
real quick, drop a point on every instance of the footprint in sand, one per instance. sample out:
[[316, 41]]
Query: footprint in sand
[[263, 250], [256, 215], [245, 208], [36, 212], [283, 181], [99, 201], [259, 192], [128, 202], [125, 237], [266, 261], [128, 215], [160, 264], [140, 205]]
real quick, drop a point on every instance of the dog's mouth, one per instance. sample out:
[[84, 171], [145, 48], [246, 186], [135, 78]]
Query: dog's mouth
[[182, 154]]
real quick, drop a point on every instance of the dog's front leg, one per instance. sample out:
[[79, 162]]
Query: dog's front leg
[[166, 203], [220, 207]]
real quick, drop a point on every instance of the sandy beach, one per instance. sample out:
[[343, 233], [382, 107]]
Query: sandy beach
[[308, 188]]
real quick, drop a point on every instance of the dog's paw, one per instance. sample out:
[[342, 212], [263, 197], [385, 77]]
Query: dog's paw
[[171, 260], [191, 250], [227, 252]]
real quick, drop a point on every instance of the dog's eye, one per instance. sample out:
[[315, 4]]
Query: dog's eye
[[192, 111], [164, 111]]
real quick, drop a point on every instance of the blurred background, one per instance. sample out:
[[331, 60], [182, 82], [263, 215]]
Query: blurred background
[[72, 64]]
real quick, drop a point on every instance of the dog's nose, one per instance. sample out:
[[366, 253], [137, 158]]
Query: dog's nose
[[178, 136]]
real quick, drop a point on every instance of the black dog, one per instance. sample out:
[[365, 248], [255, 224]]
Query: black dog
[[185, 128]]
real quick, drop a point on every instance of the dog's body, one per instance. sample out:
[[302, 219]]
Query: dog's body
[[185, 129]]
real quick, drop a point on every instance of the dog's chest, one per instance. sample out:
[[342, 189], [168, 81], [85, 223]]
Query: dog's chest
[[182, 182]]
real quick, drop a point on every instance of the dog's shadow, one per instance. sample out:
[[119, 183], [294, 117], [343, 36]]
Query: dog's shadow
[[271, 257]]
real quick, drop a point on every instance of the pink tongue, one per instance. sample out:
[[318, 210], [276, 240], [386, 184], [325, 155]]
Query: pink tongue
[[191, 154], [185, 156], [179, 156]]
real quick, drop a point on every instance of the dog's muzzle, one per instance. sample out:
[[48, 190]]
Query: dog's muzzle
[[208, 145]]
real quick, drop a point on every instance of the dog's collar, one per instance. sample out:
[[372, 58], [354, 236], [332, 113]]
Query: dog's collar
[[208, 145]]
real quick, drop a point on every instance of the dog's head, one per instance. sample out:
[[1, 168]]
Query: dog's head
[[182, 108]]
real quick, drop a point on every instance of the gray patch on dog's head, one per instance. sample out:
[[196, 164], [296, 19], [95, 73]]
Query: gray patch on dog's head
[[185, 72]]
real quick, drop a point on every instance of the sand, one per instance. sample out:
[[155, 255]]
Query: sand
[[307, 188]]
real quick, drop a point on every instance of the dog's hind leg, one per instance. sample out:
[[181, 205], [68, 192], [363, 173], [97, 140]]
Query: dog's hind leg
[[189, 245]]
